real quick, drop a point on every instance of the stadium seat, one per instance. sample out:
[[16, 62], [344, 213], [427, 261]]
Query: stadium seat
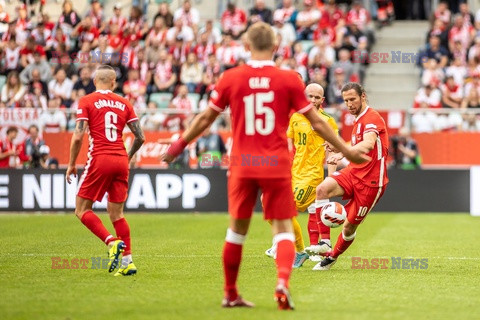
[[195, 99], [162, 99], [307, 45]]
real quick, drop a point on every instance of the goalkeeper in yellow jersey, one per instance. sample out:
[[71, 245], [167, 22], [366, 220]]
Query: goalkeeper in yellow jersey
[[307, 168]]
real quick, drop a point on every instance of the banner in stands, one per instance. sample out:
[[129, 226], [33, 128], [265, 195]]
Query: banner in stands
[[147, 157], [205, 190], [20, 118]]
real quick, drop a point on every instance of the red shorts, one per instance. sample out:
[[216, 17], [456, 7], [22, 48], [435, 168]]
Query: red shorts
[[362, 198], [105, 173], [277, 200]]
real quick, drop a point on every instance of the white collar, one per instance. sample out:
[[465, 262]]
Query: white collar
[[260, 63], [104, 91], [361, 114]]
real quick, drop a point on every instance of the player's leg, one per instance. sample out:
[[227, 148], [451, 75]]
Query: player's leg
[[122, 229], [84, 212], [325, 190], [280, 207], [242, 195]]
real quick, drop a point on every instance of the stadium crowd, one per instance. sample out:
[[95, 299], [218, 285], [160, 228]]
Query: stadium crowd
[[167, 67], [450, 77]]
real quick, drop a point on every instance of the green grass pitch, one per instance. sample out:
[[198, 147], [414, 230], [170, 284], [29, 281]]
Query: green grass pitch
[[180, 272]]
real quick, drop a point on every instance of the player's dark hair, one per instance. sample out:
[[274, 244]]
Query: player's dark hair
[[355, 86]]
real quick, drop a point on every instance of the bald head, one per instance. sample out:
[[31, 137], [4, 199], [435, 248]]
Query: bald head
[[314, 93], [105, 78]]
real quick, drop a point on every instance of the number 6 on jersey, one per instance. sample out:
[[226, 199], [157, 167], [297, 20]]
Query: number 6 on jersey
[[111, 119]]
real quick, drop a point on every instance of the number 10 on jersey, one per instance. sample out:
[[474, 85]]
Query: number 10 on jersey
[[255, 106]]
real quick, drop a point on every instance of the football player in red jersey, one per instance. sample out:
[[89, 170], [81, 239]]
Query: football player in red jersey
[[105, 114], [261, 98], [363, 184]]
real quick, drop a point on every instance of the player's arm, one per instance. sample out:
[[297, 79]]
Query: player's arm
[[369, 140], [138, 140], [356, 155], [75, 146], [199, 124], [290, 144], [331, 167]]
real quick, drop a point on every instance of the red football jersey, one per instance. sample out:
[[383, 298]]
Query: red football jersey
[[261, 97], [107, 114], [372, 173]]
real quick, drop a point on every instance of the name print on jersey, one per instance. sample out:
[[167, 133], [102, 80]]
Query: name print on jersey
[[109, 103]]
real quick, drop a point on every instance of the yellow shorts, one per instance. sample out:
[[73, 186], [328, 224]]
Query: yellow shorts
[[304, 193]]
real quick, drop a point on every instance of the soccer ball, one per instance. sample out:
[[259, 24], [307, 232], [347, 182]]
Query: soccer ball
[[333, 214]]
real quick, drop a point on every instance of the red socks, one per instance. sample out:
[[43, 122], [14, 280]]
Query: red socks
[[313, 232], [285, 256], [322, 228], [95, 225], [342, 244], [232, 256], [123, 232]]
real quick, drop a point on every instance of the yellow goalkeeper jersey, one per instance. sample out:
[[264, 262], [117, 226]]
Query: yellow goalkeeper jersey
[[310, 152]]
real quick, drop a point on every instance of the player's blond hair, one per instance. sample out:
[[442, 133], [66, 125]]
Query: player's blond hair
[[105, 74], [261, 37]]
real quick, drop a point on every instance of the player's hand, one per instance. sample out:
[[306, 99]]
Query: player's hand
[[329, 147], [357, 154], [71, 170], [168, 158], [334, 158]]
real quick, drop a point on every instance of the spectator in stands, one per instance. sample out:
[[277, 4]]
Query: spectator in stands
[[85, 31], [26, 53], [472, 92], [4, 18], [457, 70], [214, 34], [211, 74], [60, 88], [38, 97], [452, 93], [32, 145], [11, 153], [344, 62], [234, 21], [188, 15], [405, 150], [153, 118], [464, 11], [184, 111], [53, 120], [360, 16], [84, 83], [69, 19], [135, 89], [36, 79], [47, 162], [41, 34], [288, 12], [428, 97], [158, 33], [191, 73], [307, 21], [432, 74], [204, 48], [55, 40], [117, 19], [334, 91], [435, 51], [227, 52], [424, 121], [443, 13], [471, 122], [460, 32], [259, 12], [439, 29], [23, 22], [325, 51], [210, 149], [40, 65], [164, 11], [165, 76], [286, 30], [11, 58], [331, 15], [180, 31], [136, 23], [65, 63], [96, 14], [13, 91]]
